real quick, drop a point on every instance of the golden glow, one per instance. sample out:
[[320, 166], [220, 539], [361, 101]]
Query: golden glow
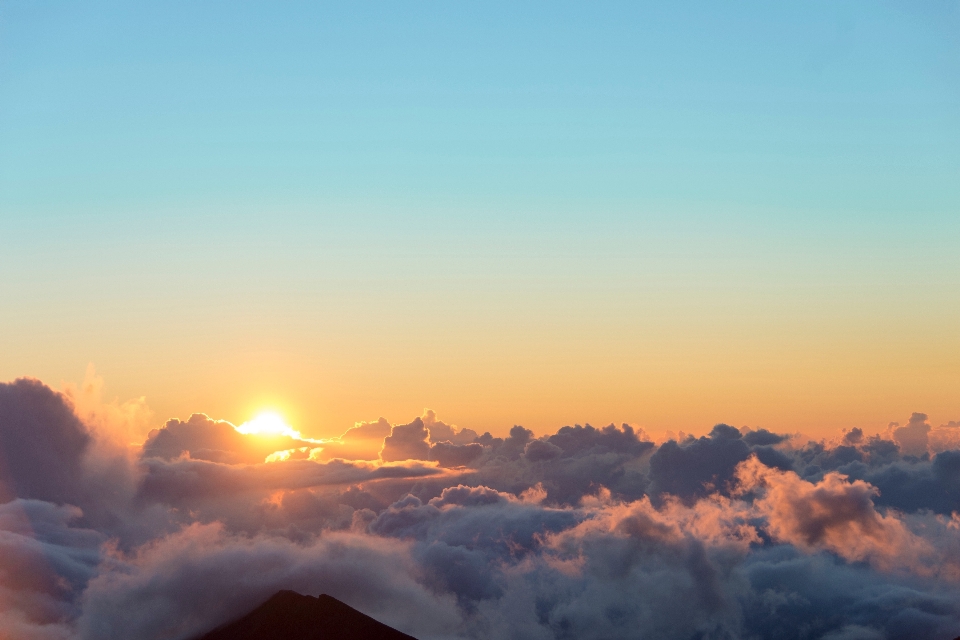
[[300, 453], [268, 423], [279, 456]]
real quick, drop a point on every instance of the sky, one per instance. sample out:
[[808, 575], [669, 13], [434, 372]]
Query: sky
[[492, 320], [536, 214]]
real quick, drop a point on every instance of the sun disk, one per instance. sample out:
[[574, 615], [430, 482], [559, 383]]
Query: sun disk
[[268, 423]]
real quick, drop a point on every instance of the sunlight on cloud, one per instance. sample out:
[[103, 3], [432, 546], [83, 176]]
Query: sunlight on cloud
[[738, 533], [279, 456], [270, 423]]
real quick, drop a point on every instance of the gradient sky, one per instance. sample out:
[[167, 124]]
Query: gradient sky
[[542, 214]]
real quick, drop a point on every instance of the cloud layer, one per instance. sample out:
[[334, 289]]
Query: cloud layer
[[445, 533]]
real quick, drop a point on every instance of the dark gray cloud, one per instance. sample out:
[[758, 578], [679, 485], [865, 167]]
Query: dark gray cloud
[[698, 467], [42, 444], [448, 454], [579, 440], [426, 438], [588, 533], [912, 486], [764, 437], [541, 451], [45, 566], [905, 482], [792, 595]]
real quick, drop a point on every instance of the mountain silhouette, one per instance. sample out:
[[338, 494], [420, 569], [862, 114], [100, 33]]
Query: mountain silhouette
[[287, 615]]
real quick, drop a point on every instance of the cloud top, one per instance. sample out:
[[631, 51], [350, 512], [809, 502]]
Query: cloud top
[[445, 533]]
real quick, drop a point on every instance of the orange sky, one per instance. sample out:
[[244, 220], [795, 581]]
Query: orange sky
[[646, 221]]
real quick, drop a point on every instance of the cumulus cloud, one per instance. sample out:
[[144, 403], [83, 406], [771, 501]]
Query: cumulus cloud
[[833, 514], [946, 437], [541, 450], [363, 441], [455, 455], [215, 440], [442, 432], [42, 444], [913, 437], [426, 438], [45, 566], [407, 442], [698, 467], [586, 532]]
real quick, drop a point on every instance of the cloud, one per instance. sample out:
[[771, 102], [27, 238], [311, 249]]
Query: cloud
[[214, 440], [455, 455], [586, 532], [442, 432], [946, 437], [421, 440], [834, 515], [45, 566], [426, 438], [363, 441], [541, 450], [698, 467], [764, 437], [184, 480], [913, 437], [42, 443], [202, 576], [407, 442]]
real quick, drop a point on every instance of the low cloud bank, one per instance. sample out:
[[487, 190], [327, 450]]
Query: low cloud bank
[[446, 533]]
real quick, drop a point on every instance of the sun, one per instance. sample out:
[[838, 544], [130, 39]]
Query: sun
[[268, 423]]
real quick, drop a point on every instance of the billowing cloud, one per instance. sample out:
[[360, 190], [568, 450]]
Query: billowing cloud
[[833, 514], [174, 587], [363, 441], [42, 444], [45, 566], [587, 532], [699, 467], [455, 455], [946, 437], [215, 440], [426, 438], [407, 442], [913, 437], [442, 432]]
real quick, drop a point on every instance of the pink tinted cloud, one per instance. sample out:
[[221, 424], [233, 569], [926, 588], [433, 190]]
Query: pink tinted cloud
[[834, 514]]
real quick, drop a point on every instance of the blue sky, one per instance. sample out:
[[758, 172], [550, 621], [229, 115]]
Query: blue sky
[[843, 108]]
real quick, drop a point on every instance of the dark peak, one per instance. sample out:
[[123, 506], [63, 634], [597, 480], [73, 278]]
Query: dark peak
[[288, 615]]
